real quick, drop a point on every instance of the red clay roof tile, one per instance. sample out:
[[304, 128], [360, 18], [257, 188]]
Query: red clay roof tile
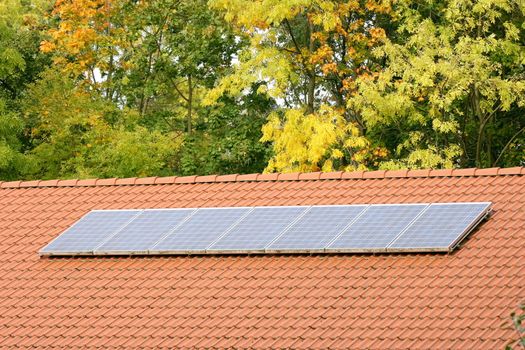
[[106, 182], [11, 184], [270, 177], [185, 179], [334, 175], [378, 174], [396, 173], [464, 172], [310, 176], [227, 178], [247, 177], [458, 300], [510, 171], [440, 172], [165, 180], [126, 181], [353, 175], [145, 180], [418, 173], [288, 176], [207, 178], [87, 182], [29, 183], [267, 177], [486, 171]]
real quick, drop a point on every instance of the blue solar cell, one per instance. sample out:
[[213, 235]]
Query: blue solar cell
[[318, 227], [440, 227], [258, 229], [348, 228], [91, 230], [376, 228], [201, 230], [144, 231]]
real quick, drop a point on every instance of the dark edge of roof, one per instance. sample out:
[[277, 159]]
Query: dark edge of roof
[[336, 175]]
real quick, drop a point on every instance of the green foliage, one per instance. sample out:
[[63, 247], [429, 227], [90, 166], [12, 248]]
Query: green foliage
[[141, 112], [440, 90], [13, 163], [75, 133], [518, 321], [20, 63], [226, 141], [157, 57], [20, 35], [117, 152], [454, 77]]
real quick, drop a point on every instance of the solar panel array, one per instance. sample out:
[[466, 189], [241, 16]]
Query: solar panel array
[[292, 229]]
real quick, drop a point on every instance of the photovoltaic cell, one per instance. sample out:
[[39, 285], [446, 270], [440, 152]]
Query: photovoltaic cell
[[440, 227], [201, 230], [144, 231], [316, 228], [294, 229], [376, 228], [91, 230], [258, 229]]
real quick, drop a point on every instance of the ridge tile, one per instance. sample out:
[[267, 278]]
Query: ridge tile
[[126, 181], [145, 180]]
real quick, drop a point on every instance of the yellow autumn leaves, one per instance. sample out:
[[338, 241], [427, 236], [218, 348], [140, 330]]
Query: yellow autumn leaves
[[308, 53], [313, 142]]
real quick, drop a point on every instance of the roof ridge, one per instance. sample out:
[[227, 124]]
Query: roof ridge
[[335, 175]]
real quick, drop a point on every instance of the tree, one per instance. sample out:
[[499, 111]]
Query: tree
[[226, 141], [13, 163], [452, 92], [308, 54], [76, 133], [152, 56], [20, 64], [157, 59], [20, 33]]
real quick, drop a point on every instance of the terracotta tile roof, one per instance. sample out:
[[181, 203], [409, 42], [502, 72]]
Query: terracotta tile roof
[[460, 300], [337, 175]]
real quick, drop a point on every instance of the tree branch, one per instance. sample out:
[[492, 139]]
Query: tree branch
[[175, 85], [508, 145]]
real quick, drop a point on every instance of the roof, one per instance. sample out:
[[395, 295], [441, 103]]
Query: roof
[[458, 300]]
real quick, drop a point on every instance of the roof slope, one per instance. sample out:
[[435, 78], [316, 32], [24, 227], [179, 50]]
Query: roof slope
[[459, 300]]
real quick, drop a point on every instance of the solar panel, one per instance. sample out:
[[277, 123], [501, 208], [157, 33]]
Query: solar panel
[[440, 227], [257, 229], [318, 227], [292, 229], [146, 229], [376, 228], [87, 233], [199, 231]]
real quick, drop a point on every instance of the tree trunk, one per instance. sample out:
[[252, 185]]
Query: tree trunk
[[190, 104], [310, 94], [109, 82], [474, 100], [310, 105]]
